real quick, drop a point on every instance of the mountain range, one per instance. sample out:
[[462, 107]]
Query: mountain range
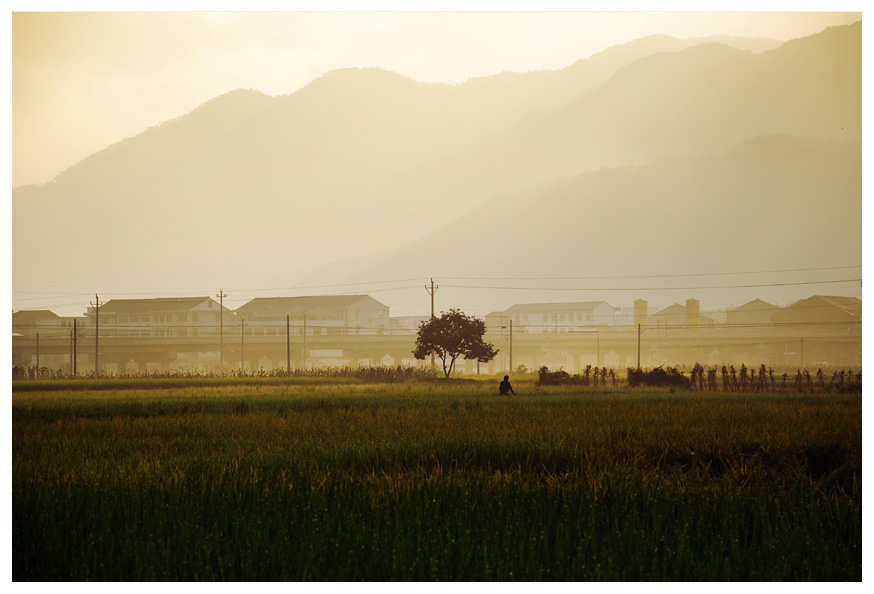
[[715, 153]]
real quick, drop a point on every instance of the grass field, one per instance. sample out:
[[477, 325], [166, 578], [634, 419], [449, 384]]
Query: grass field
[[434, 481]]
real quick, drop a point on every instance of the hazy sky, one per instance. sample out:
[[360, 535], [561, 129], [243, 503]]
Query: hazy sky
[[82, 81]]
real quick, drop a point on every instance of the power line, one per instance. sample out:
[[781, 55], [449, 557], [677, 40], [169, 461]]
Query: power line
[[697, 288], [237, 300], [476, 287], [49, 298], [165, 290], [296, 288], [341, 294], [417, 279], [650, 275], [521, 326], [594, 329]]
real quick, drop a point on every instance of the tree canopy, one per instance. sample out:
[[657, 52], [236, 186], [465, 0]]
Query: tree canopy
[[451, 336]]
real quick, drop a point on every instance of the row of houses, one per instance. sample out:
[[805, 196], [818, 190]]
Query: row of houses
[[572, 316], [192, 317], [589, 315], [818, 309], [780, 334]]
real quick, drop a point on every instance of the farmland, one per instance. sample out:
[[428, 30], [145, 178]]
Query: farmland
[[434, 480]]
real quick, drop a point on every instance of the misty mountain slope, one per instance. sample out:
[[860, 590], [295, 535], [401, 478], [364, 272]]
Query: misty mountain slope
[[769, 202], [390, 130], [341, 115], [166, 147], [264, 189], [702, 99], [509, 95]]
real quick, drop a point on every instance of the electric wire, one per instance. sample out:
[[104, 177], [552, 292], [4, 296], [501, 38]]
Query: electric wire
[[695, 274], [640, 289]]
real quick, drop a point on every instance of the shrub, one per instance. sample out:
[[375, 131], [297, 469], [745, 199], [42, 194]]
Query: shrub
[[596, 376], [560, 378], [553, 378], [669, 377]]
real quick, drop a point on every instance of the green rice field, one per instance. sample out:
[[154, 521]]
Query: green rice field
[[440, 480]]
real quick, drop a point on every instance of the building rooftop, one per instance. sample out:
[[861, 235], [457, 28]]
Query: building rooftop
[[563, 306], [30, 316], [268, 305], [756, 305], [121, 306]]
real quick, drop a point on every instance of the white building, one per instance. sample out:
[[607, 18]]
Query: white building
[[173, 317], [557, 317], [322, 315]]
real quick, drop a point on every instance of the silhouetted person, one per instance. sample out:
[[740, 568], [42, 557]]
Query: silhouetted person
[[505, 387]]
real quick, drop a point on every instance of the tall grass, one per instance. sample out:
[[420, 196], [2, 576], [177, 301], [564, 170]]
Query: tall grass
[[373, 374], [174, 379], [437, 481], [701, 378]]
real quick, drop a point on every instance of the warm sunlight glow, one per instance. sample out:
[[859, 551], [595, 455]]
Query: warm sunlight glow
[[84, 81], [517, 158], [387, 296]]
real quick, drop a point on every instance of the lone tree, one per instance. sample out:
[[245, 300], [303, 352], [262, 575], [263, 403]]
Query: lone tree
[[451, 336]]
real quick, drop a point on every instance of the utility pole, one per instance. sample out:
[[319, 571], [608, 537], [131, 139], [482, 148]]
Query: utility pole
[[802, 352], [96, 306], [37, 354], [598, 338], [511, 344], [221, 295], [288, 343], [242, 343], [74, 348], [305, 354], [431, 293], [638, 347]]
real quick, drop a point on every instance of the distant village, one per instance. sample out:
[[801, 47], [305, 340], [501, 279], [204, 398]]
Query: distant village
[[199, 334]]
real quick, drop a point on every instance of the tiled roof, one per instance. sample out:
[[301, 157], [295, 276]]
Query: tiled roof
[[676, 310], [30, 316], [851, 305], [756, 305], [565, 306], [290, 305], [672, 310], [122, 306]]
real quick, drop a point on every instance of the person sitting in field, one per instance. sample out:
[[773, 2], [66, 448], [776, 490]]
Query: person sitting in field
[[505, 387]]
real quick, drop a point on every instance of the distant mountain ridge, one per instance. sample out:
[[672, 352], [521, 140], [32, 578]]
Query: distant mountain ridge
[[708, 212], [362, 161], [636, 117], [550, 88]]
